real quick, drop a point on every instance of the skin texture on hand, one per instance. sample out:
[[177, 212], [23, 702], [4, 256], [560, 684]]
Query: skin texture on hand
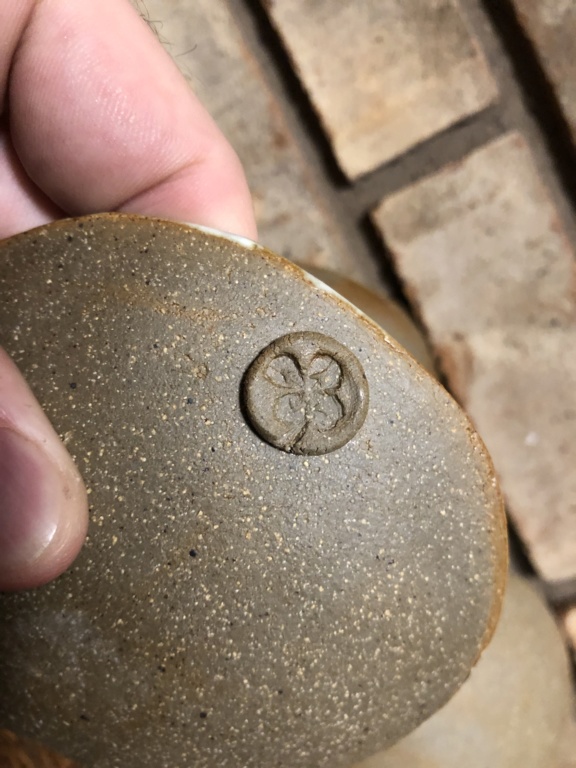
[[94, 116]]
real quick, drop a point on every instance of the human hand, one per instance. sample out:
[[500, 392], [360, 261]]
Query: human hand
[[94, 116]]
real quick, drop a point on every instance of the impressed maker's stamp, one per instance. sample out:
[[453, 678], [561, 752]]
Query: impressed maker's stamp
[[306, 393]]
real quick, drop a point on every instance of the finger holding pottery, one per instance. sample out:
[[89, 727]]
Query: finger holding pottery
[[95, 116]]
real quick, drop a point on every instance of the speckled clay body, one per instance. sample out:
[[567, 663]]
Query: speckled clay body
[[236, 604]]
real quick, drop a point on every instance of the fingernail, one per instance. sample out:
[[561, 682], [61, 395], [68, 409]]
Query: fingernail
[[31, 501]]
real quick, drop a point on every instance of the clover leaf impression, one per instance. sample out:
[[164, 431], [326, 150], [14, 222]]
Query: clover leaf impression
[[307, 394]]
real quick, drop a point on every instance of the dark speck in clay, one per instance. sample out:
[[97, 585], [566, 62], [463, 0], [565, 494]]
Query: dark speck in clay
[[349, 533]]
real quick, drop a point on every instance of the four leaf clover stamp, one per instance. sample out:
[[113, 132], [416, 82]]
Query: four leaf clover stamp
[[306, 393]]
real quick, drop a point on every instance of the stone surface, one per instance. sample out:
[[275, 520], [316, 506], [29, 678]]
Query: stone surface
[[206, 43], [486, 264], [551, 25], [516, 708], [235, 604], [390, 74]]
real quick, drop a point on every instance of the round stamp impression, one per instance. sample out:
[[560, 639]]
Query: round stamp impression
[[306, 393]]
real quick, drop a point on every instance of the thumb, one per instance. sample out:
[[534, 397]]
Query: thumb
[[43, 506]]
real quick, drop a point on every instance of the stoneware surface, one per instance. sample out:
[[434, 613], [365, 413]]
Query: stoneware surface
[[237, 603], [515, 710]]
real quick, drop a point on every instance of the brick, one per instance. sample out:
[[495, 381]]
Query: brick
[[486, 264], [568, 758], [551, 26], [383, 76], [204, 39], [567, 618]]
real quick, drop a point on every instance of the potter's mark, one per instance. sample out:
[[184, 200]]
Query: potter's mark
[[306, 393]]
